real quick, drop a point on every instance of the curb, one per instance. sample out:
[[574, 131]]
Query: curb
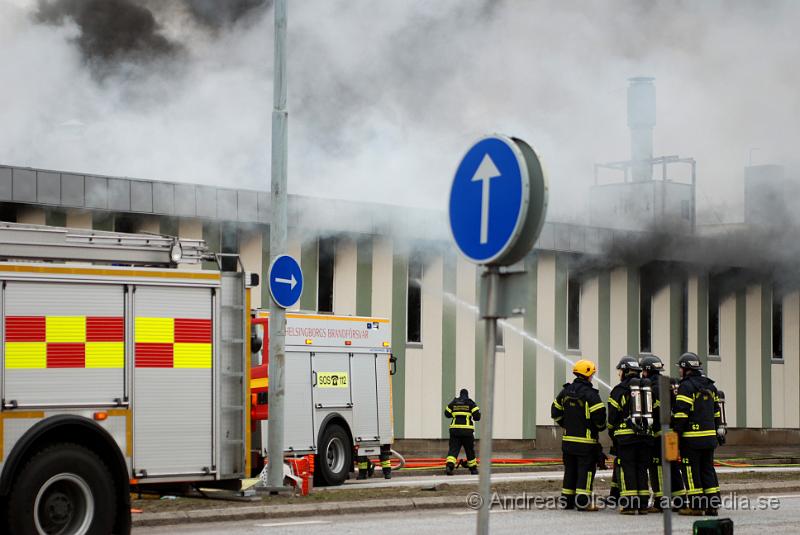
[[262, 512], [300, 510]]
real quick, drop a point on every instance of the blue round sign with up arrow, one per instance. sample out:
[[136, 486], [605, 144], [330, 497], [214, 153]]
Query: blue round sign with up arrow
[[498, 201], [285, 281]]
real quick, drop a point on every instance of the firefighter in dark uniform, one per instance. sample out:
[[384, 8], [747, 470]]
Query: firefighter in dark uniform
[[463, 413], [696, 417], [633, 443], [366, 468], [652, 367], [579, 410]]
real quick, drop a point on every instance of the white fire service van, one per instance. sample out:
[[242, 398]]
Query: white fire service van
[[338, 390], [116, 374]]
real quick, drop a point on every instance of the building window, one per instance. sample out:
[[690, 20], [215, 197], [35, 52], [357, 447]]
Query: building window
[[573, 314], [713, 320], [8, 213], [103, 221], [229, 244], [684, 316], [777, 326], [645, 314], [55, 218], [414, 304], [326, 259], [124, 223], [211, 237], [499, 337]]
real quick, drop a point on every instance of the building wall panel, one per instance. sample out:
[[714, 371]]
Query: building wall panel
[[754, 355], [344, 276], [546, 327]]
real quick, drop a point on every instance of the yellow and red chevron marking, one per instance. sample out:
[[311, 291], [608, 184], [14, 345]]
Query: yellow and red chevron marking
[[36, 342], [173, 343]]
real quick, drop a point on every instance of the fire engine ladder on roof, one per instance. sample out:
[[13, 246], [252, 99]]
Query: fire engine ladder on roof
[[43, 243]]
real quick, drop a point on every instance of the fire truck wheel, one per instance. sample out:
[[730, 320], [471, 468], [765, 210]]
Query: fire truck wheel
[[64, 489], [334, 458]]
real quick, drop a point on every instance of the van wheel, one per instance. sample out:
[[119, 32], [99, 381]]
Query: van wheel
[[65, 489], [334, 457]]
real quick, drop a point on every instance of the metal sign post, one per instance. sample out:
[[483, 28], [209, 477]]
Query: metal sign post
[[491, 278], [278, 247], [497, 206]]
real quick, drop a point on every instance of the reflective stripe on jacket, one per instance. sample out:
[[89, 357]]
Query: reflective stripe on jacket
[[463, 413], [580, 411], [696, 414]]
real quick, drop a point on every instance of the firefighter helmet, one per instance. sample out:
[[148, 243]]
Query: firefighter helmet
[[689, 361], [628, 363], [584, 368], [651, 363]]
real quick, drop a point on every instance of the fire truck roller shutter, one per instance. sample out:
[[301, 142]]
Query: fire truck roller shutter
[[64, 343], [365, 397], [332, 398], [299, 419], [173, 385], [384, 387]]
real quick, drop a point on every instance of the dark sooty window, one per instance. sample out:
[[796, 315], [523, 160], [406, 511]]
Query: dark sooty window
[[777, 326], [229, 244], [713, 320], [574, 313], [684, 316], [327, 257], [414, 306], [645, 314]]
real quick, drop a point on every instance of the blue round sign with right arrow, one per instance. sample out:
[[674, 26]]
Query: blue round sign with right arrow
[[285, 281], [498, 201]]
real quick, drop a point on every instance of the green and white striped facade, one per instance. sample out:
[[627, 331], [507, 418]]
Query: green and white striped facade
[[371, 278]]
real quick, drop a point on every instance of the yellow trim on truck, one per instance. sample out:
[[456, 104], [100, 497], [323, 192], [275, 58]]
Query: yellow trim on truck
[[128, 428], [264, 314], [122, 272]]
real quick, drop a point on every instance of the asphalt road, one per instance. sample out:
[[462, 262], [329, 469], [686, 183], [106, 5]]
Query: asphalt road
[[780, 515]]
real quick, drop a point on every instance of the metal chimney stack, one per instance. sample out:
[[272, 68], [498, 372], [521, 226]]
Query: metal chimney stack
[[641, 120]]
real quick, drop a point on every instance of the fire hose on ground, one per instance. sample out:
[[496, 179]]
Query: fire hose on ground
[[437, 463]]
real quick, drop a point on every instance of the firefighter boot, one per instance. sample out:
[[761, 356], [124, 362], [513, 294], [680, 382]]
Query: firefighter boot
[[472, 464], [451, 465], [363, 468], [386, 466]]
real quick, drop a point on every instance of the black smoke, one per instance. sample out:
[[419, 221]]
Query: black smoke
[[117, 32], [218, 14], [734, 257], [111, 31]]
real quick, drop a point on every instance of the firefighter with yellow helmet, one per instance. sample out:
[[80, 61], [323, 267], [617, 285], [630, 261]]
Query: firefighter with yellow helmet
[[579, 410]]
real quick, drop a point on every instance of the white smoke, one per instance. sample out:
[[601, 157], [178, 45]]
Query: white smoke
[[384, 97]]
